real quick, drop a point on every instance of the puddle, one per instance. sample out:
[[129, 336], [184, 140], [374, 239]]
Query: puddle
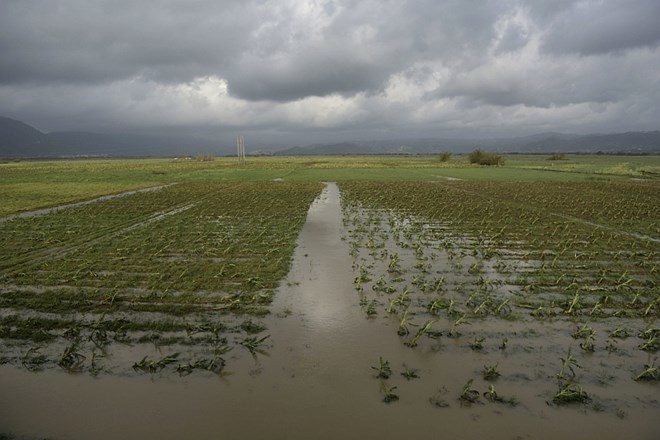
[[449, 178], [315, 380]]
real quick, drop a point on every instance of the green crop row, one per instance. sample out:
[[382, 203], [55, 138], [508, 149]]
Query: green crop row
[[172, 259]]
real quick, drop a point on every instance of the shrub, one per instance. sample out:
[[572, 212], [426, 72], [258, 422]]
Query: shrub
[[557, 156], [444, 157], [482, 158]]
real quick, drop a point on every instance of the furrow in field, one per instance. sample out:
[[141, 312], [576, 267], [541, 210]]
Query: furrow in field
[[43, 211]]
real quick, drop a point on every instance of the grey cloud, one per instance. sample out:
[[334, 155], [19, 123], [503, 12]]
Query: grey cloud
[[515, 37], [355, 51], [403, 34], [597, 27], [319, 74], [94, 42], [550, 83], [358, 64]]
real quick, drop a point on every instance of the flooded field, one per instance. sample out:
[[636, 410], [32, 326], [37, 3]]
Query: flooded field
[[390, 322]]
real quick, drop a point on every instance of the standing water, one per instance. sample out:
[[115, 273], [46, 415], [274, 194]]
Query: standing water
[[315, 380]]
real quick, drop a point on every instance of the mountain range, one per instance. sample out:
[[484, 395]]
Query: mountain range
[[20, 140]]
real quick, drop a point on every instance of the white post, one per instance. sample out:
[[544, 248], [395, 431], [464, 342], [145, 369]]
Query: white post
[[240, 148]]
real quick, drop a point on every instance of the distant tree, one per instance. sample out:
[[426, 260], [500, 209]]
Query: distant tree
[[482, 158], [557, 156], [444, 157]]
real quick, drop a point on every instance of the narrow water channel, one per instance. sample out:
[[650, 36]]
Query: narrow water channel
[[314, 381]]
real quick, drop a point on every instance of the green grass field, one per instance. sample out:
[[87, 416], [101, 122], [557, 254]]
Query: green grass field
[[31, 185]]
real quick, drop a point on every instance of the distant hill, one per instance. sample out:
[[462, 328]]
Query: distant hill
[[77, 143], [628, 143], [344, 148], [18, 139]]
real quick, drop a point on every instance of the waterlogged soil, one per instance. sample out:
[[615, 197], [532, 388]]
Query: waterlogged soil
[[315, 375]]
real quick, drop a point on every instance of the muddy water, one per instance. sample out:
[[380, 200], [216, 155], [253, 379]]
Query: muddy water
[[314, 380]]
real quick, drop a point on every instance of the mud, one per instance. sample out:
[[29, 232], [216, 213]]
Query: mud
[[314, 377]]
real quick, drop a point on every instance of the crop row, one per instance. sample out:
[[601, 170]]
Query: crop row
[[487, 265], [159, 262]]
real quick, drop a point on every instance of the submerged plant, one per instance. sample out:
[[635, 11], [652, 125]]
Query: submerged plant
[[94, 369], [214, 365], [253, 344], [504, 309], [460, 320], [650, 373], [570, 393], [71, 359], [389, 395], [403, 324], [477, 344], [438, 400], [393, 266], [436, 305], [490, 372], [611, 345], [251, 327], [390, 307], [33, 359], [372, 308], [583, 332], [409, 373], [573, 305], [423, 330], [619, 332], [383, 370], [99, 335], [404, 298], [379, 285], [652, 343], [492, 396], [153, 366], [567, 364], [469, 395], [588, 343]]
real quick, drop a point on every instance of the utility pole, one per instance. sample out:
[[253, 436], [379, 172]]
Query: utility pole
[[240, 148]]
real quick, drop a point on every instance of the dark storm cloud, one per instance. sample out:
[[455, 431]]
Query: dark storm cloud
[[264, 49], [331, 64], [599, 27], [99, 41], [319, 74]]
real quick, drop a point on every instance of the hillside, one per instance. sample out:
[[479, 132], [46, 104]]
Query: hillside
[[629, 143], [18, 140]]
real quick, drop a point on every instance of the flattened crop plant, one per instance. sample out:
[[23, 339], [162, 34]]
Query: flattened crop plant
[[177, 267]]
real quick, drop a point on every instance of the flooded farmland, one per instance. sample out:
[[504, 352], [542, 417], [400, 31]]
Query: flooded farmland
[[339, 343]]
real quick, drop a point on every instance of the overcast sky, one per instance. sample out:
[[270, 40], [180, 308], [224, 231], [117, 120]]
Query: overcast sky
[[324, 69]]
